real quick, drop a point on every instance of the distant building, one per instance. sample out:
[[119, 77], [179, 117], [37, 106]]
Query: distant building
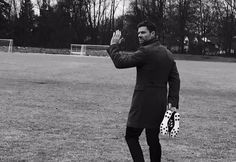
[[234, 43]]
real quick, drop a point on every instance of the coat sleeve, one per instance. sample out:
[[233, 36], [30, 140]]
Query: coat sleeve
[[174, 86], [125, 60]]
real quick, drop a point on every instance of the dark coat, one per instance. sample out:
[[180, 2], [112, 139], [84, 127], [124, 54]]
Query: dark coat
[[156, 69]]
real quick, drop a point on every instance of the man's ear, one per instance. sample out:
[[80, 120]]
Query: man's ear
[[153, 33]]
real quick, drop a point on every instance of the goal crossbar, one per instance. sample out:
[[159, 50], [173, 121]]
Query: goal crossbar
[[81, 49]]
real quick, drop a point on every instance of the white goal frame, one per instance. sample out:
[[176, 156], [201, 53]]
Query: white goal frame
[[10, 45], [83, 48]]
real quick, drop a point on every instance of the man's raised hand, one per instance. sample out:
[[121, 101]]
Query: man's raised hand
[[116, 38]]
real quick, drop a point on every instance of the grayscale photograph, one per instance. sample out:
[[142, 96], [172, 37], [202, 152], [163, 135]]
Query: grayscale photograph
[[117, 80]]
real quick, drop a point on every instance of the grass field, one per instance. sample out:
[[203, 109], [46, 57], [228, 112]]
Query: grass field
[[69, 108]]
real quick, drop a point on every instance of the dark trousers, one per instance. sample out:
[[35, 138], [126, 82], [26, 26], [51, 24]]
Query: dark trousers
[[152, 136]]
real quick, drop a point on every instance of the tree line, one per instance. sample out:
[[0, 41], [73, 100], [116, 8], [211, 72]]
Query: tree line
[[195, 27]]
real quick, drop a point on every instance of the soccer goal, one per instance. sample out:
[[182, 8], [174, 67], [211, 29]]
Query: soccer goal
[[88, 49], [6, 45]]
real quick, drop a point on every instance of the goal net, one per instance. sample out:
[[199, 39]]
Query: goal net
[[88, 49], [6, 45]]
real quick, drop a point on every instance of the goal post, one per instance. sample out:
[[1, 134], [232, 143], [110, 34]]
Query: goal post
[[88, 49], [6, 45], [78, 49]]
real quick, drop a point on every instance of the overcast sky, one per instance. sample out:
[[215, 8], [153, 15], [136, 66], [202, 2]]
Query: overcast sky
[[119, 9]]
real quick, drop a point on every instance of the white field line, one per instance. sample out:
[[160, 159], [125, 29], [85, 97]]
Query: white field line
[[64, 55]]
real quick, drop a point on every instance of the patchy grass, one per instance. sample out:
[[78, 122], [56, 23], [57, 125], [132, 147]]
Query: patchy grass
[[69, 108]]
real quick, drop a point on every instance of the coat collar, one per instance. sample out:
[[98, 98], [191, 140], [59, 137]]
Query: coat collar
[[150, 42]]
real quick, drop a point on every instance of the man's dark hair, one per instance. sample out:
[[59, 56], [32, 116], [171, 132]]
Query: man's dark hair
[[150, 26]]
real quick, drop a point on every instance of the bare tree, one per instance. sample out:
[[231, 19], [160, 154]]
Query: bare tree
[[229, 24], [14, 9]]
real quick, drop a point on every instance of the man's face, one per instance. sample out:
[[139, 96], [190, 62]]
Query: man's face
[[144, 34]]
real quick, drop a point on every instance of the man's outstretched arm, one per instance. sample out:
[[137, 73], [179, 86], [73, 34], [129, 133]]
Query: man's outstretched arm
[[124, 60]]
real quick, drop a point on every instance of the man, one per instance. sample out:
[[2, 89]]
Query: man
[[155, 69]]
